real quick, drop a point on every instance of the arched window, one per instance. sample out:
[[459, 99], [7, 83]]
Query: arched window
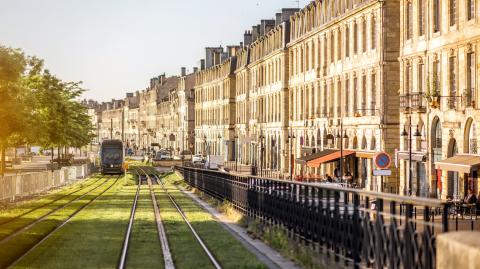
[[470, 142], [355, 143], [436, 140], [373, 144], [364, 142]]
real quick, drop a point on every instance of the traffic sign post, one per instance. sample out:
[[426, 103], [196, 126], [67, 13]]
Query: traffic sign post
[[382, 160]]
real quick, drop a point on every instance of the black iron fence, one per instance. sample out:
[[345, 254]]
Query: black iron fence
[[356, 228]]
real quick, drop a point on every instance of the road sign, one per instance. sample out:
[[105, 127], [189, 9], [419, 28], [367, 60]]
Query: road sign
[[382, 160], [382, 172]]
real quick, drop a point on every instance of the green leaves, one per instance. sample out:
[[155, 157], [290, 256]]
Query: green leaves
[[38, 108]]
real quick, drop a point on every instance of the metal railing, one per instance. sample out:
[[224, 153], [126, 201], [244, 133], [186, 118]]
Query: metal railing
[[357, 228]]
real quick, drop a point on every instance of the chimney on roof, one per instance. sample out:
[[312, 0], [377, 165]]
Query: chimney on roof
[[202, 64], [266, 26], [255, 32], [278, 18], [183, 71], [247, 38], [161, 79], [195, 69], [217, 57]]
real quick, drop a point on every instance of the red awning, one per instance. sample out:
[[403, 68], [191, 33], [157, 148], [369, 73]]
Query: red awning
[[328, 158]]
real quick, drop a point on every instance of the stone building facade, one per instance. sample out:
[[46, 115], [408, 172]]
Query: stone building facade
[[268, 99], [343, 77], [215, 109], [439, 59]]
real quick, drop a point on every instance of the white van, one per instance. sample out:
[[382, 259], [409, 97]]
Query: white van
[[214, 162]]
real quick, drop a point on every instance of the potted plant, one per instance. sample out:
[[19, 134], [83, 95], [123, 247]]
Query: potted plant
[[432, 94]]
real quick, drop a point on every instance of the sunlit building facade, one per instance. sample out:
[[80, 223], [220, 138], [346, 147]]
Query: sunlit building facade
[[343, 86], [439, 97]]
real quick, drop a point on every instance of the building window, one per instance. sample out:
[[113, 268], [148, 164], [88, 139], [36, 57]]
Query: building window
[[339, 99], [373, 103], [421, 17], [409, 12], [374, 32], [364, 35], [408, 79], [340, 45], [452, 10], [436, 15], [355, 38], [347, 41], [347, 96], [470, 9], [332, 47], [437, 76], [453, 81], [364, 94], [420, 79], [471, 74], [355, 89]]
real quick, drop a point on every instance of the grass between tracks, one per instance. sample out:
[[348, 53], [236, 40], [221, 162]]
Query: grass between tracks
[[13, 210], [144, 250], [16, 224], [228, 251], [93, 238], [14, 248]]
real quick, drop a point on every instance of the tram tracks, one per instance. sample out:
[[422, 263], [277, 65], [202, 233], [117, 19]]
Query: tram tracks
[[152, 179], [5, 243]]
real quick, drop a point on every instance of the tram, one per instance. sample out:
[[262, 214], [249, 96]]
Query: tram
[[112, 157]]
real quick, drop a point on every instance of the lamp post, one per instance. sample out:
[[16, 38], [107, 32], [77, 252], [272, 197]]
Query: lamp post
[[236, 152], [219, 144], [409, 134], [261, 137], [291, 136], [341, 136]]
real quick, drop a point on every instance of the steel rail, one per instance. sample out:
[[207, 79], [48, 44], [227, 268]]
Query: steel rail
[[126, 241], [64, 223], [31, 224], [46, 204], [162, 236], [197, 237]]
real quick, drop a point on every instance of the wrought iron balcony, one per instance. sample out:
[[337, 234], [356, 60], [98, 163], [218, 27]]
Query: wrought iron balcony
[[468, 98], [411, 102]]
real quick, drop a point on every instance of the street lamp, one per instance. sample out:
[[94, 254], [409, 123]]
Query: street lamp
[[409, 134], [236, 152], [261, 137], [219, 144], [291, 136]]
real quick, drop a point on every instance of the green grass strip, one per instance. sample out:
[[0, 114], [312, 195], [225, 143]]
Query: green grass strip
[[18, 223], [93, 238], [14, 248], [18, 209], [186, 252], [144, 250], [228, 251]]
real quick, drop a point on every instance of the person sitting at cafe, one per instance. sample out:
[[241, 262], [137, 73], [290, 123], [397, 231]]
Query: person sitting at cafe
[[470, 198], [329, 178]]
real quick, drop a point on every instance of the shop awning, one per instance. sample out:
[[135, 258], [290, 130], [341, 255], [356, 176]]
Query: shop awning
[[365, 154], [303, 160], [416, 156], [459, 163], [329, 157]]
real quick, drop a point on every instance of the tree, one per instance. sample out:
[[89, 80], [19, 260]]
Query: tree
[[13, 65]]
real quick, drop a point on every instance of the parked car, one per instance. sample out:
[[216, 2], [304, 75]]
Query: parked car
[[197, 158], [163, 156]]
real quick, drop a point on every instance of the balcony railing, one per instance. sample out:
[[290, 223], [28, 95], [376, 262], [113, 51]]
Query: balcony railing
[[412, 102], [468, 98]]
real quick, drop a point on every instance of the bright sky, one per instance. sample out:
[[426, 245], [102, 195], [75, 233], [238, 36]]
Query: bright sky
[[116, 46]]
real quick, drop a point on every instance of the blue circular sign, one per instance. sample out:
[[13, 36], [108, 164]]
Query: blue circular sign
[[383, 160]]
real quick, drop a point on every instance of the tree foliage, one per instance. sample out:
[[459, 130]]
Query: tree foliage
[[38, 108]]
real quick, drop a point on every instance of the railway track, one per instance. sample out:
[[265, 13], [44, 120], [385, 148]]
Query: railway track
[[46, 204], [26, 227], [167, 256], [152, 178], [63, 223]]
